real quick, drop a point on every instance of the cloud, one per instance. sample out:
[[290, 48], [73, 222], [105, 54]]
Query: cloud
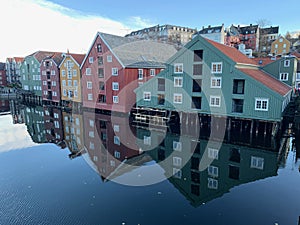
[[31, 25], [138, 23]]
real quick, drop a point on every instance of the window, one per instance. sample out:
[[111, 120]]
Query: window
[[286, 63], [216, 67], [101, 86], [52, 72], [91, 60], [237, 105], [235, 155], [196, 102], [178, 68], [115, 99], [99, 48], [160, 99], [261, 104], [100, 60], [116, 128], [92, 145], [100, 72], [197, 83], [89, 85], [117, 154], [234, 172], [161, 84], [102, 98], [91, 134], [152, 72], [75, 83], [177, 161], [177, 173], [198, 55], [215, 101], [238, 86], [147, 96], [177, 98], [276, 45], [216, 82], [178, 81], [257, 162], [284, 76], [117, 140], [90, 97], [147, 140], [212, 183], [140, 74], [177, 146], [64, 83], [63, 73], [115, 86], [88, 71], [213, 153], [114, 71], [213, 171], [92, 123], [197, 69], [109, 58], [74, 73], [69, 83], [64, 92]]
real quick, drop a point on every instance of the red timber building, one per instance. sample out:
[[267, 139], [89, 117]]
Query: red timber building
[[114, 66], [3, 81], [51, 78]]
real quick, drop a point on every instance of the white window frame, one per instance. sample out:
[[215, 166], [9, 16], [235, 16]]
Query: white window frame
[[89, 84], [74, 73], [117, 140], [140, 74], [212, 183], [257, 162], [177, 146], [115, 86], [260, 107], [213, 101], [147, 96], [117, 154], [90, 96], [175, 98], [216, 70], [286, 63], [152, 72], [177, 161], [63, 73], [115, 99], [109, 58], [88, 71], [114, 71], [178, 68], [178, 81], [216, 82], [213, 153], [284, 76], [64, 83], [213, 171], [177, 173], [147, 140], [116, 128], [91, 59]]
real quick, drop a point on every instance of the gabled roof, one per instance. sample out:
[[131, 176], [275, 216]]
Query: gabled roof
[[210, 30], [267, 80], [40, 55], [136, 53], [19, 59], [263, 61], [269, 30], [56, 57], [247, 29], [232, 53], [78, 58]]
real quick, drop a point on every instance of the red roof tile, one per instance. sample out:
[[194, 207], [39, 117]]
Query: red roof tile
[[268, 81], [78, 57], [232, 53], [19, 59], [263, 61]]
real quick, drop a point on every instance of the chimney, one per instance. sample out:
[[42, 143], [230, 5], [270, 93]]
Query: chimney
[[208, 26], [202, 27], [250, 24]]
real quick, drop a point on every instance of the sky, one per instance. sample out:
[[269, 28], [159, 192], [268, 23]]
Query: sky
[[60, 25]]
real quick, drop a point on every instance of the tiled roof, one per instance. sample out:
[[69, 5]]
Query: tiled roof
[[19, 59], [78, 57], [247, 29], [297, 54], [40, 55], [232, 53], [209, 30], [268, 81], [269, 30], [139, 53]]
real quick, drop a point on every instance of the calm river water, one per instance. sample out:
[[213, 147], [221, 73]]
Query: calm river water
[[61, 167]]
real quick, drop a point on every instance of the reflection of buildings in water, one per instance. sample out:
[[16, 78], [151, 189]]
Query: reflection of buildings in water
[[183, 157], [4, 106], [73, 132], [54, 125], [110, 144], [34, 120], [16, 112]]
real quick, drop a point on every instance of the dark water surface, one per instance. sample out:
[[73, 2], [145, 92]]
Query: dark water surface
[[41, 184]]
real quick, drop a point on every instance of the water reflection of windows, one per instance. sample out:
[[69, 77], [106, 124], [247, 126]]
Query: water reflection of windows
[[177, 161], [235, 155], [95, 158], [91, 134], [103, 136], [116, 128], [117, 140], [212, 183], [213, 153], [102, 124], [147, 140], [257, 162], [213, 171], [177, 173], [112, 163], [91, 123], [177, 145], [117, 154], [92, 145]]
